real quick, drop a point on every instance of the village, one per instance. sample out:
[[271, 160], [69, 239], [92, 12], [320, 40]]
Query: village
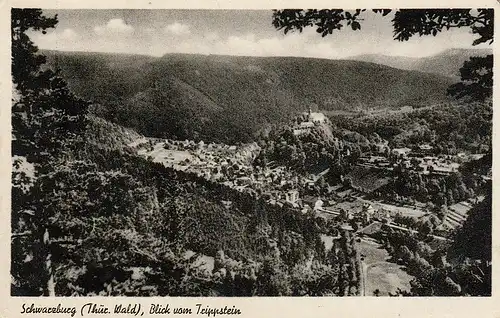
[[347, 207], [232, 166]]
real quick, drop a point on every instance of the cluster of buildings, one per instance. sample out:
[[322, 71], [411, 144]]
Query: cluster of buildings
[[231, 166], [420, 159], [419, 151], [311, 119], [423, 160]]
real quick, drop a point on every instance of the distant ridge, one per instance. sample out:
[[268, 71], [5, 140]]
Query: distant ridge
[[231, 98], [447, 63]]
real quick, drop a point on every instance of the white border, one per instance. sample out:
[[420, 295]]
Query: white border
[[251, 307]]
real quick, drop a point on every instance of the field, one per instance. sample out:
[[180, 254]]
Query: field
[[380, 274], [356, 206], [368, 179], [161, 154], [404, 210]]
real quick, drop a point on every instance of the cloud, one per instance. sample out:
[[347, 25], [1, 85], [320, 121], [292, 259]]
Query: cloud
[[177, 29], [180, 38], [114, 26], [68, 34], [246, 44], [57, 39], [211, 37]]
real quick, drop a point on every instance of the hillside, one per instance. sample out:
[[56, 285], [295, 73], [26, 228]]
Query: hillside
[[400, 62], [124, 225], [230, 98], [447, 63]]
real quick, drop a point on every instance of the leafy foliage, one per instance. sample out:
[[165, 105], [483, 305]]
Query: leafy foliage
[[408, 22], [477, 79], [47, 123]]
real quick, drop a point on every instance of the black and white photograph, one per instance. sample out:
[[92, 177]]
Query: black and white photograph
[[240, 153]]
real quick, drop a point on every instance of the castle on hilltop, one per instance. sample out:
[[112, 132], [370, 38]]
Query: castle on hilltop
[[315, 117], [312, 119]]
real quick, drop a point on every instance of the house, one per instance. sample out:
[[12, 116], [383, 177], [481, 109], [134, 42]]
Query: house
[[445, 169], [306, 125], [329, 210], [292, 196], [371, 229], [227, 203], [476, 156], [425, 148], [298, 132], [346, 227], [331, 202], [406, 164], [401, 151], [317, 117], [367, 212], [368, 209], [312, 201], [381, 147], [305, 209], [318, 204], [244, 180]]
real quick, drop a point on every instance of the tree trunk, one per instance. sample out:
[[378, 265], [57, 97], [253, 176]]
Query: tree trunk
[[49, 284]]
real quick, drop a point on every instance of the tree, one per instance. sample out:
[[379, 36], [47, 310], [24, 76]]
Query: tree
[[272, 279], [47, 125], [476, 74], [477, 79], [45, 114], [473, 239]]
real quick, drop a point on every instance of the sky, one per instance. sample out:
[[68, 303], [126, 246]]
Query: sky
[[229, 32]]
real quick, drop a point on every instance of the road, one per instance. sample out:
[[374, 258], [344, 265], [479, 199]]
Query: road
[[415, 231], [364, 271], [364, 276]]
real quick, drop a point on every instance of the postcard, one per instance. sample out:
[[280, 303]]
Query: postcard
[[256, 159]]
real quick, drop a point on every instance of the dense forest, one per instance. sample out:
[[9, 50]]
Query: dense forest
[[305, 152], [450, 128], [112, 212], [186, 96]]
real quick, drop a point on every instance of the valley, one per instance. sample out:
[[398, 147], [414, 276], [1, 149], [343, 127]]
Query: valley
[[206, 175], [243, 96]]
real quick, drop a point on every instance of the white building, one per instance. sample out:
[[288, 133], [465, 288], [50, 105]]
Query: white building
[[318, 205], [292, 196], [401, 151], [315, 117]]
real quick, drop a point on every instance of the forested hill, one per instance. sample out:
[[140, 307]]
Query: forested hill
[[229, 98], [447, 63]]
